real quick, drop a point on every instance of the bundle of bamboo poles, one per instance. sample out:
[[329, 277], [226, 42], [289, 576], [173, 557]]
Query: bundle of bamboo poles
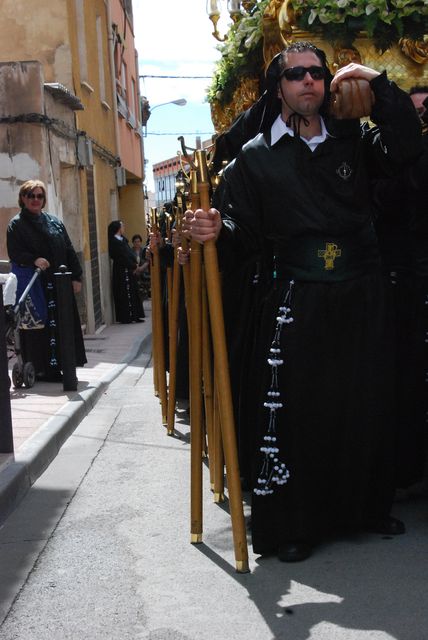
[[212, 426], [159, 367]]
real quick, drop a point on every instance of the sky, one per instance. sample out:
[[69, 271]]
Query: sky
[[174, 38]]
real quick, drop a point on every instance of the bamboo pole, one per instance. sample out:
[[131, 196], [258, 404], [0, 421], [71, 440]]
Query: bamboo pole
[[217, 452], [153, 292], [159, 343], [185, 267], [207, 377], [195, 359], [173, 335], [168, 273], [187, 284], [223, 379]]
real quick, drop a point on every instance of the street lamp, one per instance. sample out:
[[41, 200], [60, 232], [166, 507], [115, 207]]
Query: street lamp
[[180, 102]]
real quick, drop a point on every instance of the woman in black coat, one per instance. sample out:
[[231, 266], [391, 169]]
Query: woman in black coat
[[38, 239], [127, 303]]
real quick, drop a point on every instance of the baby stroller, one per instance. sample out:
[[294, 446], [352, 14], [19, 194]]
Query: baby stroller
[[23, 373]]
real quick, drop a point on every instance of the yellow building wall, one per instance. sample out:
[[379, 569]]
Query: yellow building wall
[[93, 84], [39, 33], [105, 214], [97, 118], [131, 208], [130, 140]]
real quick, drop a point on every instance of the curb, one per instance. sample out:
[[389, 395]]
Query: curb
[[35, 455]]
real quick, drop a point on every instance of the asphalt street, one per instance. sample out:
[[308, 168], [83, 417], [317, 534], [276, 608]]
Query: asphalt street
[[100, 549]]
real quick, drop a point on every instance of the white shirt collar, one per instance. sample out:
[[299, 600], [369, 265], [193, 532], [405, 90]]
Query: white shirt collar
[[279, 128], [119, 237]]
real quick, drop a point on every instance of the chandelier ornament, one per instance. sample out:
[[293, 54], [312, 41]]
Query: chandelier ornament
[[234, 9]]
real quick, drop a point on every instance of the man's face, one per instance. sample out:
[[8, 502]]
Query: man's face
[[417, 99], [304, 96]]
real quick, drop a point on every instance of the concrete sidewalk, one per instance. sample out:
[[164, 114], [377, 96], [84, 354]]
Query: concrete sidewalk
[[44, 416], [100, 548]]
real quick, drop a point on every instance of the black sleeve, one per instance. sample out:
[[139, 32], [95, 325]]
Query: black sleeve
[[396, 197], [239, 241], [122, 254], [17, 246], [396, 141], [418, 173]]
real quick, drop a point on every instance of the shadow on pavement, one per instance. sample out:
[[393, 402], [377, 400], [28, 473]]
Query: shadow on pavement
[[23, 537], [349, 589]]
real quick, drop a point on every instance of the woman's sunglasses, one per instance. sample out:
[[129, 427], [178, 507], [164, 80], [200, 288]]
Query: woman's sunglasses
[[37, 196], [298, 73]]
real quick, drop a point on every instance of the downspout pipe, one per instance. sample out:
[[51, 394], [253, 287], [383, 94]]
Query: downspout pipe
[[113, 76]]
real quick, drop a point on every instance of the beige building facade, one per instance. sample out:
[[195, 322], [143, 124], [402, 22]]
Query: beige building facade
[[130, 134], [59, 122]]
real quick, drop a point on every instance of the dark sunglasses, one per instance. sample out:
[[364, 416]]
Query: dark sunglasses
[[298, 73], [37, 196]]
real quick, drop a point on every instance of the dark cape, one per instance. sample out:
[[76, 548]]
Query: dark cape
[[240, 288], [402, 228], [30, 237], [140, 257], [127, 302], [322, 332]]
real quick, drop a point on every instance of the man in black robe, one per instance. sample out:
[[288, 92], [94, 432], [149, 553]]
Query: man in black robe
[[298, 198], [402, 228]]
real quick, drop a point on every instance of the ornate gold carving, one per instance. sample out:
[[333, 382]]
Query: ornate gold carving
[[416, 50], [343, 56], [399, 61], [399, 67], [248, 4], [273, 8], [272, 38], [286, 20], [244, 96]]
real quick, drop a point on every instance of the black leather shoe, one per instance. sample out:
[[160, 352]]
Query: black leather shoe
[[388, 525], [294, 551]]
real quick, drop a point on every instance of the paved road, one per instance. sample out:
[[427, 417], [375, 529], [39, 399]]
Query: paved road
[[99, 549]]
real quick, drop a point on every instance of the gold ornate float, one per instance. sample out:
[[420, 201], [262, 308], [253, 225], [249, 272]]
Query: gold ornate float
[[383, 41]]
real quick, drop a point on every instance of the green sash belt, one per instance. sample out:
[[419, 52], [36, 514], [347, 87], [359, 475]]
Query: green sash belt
[[327, 258]]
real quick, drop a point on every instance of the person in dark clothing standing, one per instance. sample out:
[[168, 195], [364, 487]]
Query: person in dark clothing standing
[[38, 239], [402, 228], [143, 263], [127, 303], [298, 199]]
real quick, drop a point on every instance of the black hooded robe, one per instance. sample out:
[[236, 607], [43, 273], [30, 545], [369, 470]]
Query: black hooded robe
[[290, 207], [402, 228], [127, 302]]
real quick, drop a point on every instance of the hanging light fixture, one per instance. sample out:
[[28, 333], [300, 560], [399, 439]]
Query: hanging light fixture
[[234, 8], [214, 13]]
